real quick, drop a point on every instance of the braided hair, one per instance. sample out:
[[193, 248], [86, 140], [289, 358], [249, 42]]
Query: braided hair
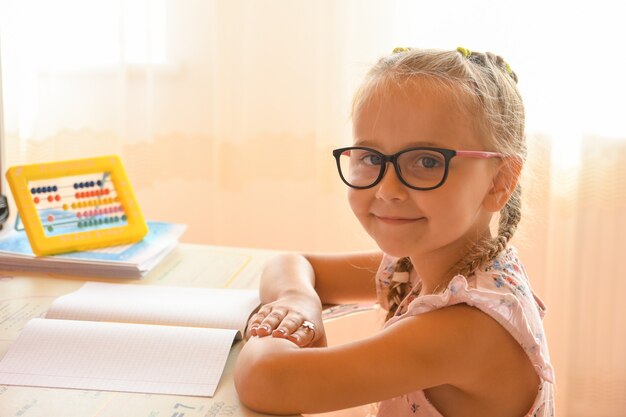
[[398, 290], [479, 82]]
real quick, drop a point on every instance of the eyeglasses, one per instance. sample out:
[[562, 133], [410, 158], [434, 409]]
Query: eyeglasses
[[421, 168]]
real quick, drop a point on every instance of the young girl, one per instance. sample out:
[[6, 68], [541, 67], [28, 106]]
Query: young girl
[[438, 149]]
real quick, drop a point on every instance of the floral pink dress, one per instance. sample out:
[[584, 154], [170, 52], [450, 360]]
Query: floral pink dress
[[501, 290]]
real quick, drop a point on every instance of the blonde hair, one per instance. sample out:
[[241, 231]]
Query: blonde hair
[[480, 83]]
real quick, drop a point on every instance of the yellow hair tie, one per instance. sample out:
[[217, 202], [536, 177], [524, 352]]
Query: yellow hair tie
[[508, 68], [464, 51], [400, 49]]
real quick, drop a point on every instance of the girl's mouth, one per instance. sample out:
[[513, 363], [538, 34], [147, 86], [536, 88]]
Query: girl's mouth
[[393, 220]]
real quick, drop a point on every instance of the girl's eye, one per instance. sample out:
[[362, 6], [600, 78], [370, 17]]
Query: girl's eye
[[428, 162], [372, 159]]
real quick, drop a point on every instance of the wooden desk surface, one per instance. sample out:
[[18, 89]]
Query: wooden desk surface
[[24, 296]]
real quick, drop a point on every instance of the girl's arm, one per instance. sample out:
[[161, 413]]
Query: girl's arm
[[294, 288], [346, 278], [459, 346]]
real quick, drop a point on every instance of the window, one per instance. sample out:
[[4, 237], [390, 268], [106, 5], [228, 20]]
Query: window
[[74, 35]]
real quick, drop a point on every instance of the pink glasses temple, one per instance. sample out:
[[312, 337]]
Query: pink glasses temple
[[478, 154]]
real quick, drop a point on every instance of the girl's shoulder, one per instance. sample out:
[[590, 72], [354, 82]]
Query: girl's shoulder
[[506, 274], [502, 290]]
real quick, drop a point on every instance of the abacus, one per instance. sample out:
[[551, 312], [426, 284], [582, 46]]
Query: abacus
[[76, 205]]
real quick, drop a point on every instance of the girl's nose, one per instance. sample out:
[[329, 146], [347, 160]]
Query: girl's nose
[[390, 187]]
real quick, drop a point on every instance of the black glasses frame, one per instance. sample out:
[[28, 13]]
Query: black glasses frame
[[448, 154]]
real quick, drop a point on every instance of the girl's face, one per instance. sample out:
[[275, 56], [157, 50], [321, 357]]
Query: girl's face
[[407, 222]]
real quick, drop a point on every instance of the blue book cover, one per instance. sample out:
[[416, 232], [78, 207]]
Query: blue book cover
[[16, 253]]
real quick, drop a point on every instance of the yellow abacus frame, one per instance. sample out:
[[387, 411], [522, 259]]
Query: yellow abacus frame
[[134, 229]]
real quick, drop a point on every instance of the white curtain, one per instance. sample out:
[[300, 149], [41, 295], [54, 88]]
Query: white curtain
[[225, 113]]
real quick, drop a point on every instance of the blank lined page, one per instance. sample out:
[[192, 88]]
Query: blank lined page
[[117, 357], [177, 306]]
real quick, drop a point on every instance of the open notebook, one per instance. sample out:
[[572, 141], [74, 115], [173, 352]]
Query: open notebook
[[135, 338]]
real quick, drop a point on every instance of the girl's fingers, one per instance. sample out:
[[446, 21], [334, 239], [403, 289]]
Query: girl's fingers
[[282, 323], [256, 321], [304, 335], [289, 325], [252, 328], [270, 322]]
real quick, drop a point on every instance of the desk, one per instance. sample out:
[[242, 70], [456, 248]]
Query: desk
[[24, 296]]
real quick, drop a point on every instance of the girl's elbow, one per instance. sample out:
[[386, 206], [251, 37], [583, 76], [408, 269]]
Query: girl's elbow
[[256, 381], [250, 387]]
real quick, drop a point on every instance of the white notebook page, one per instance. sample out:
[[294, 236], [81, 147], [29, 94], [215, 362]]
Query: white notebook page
[[117, 357], [151, 304]]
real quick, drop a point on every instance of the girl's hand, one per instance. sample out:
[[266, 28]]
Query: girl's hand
[[291, 320]]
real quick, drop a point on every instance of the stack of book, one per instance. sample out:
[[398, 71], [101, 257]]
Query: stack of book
[[128, 261]]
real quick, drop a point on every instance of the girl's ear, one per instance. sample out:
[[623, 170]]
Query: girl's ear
[[503, 184]]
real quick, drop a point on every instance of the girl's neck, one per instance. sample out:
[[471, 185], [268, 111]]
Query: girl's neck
[[432, 273], [436, 269]]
